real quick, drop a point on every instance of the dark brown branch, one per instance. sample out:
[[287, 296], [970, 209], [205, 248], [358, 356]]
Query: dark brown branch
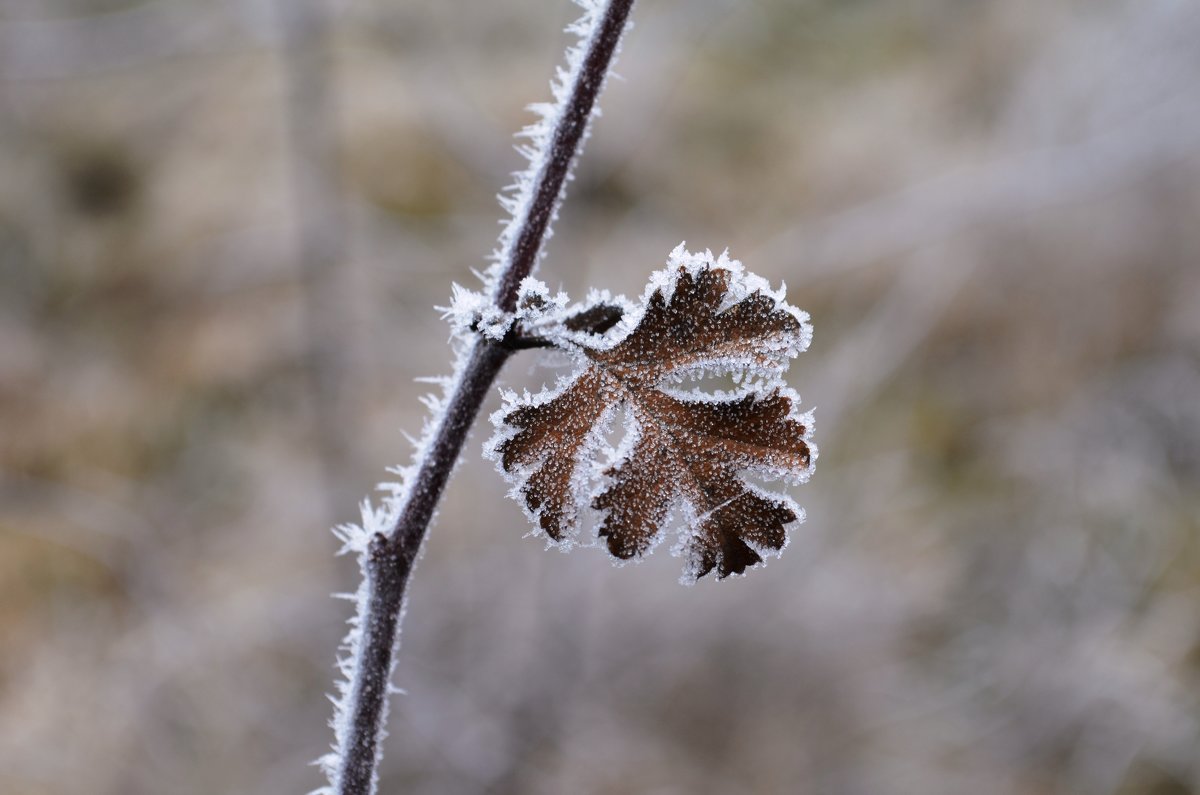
[[390, 565], [390, 561], [517, 341], [563, 148]]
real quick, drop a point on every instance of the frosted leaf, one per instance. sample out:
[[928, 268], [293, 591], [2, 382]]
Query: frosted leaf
[[698, 316]]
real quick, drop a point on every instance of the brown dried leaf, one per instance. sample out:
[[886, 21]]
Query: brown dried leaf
[[699, 317]]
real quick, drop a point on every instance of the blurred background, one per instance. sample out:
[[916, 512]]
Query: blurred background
[[224, 227]]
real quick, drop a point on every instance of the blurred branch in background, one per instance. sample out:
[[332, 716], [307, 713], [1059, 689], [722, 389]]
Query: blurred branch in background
[[1015, 187], [311, 119], [47, 46]]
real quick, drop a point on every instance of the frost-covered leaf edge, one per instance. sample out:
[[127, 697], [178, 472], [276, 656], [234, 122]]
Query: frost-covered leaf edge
[[588, 480]]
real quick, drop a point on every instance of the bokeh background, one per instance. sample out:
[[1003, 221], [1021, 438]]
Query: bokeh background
[[224, 228]]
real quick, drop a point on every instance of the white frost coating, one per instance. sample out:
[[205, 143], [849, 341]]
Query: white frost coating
[[682, 549], [378, 520], [469, 313], [761, 375], [472, 312], [516, 198], [742, 284], [536, 308], [581, 478]]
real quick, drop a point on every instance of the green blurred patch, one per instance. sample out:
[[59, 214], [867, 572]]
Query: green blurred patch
[[42, 581], [407, 173]]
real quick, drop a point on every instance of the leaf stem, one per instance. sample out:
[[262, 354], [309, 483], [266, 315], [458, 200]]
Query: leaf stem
[[389, 561]]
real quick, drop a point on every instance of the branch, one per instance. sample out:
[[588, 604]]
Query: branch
[[550, 174], [391, 536]]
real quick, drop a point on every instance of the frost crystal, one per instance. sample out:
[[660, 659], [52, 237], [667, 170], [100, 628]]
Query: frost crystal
[[538, 138], [470, 313], [701, 315]]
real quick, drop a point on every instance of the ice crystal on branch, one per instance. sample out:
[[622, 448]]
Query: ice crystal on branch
[[699, 316], [486, 332]]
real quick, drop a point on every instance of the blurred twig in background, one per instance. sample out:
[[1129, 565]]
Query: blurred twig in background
[[312, 121]]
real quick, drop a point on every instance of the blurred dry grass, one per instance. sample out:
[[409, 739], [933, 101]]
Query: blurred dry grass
[[989, 208]]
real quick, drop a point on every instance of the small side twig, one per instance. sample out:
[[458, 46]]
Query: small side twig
[[388, 561], [516, 341]]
